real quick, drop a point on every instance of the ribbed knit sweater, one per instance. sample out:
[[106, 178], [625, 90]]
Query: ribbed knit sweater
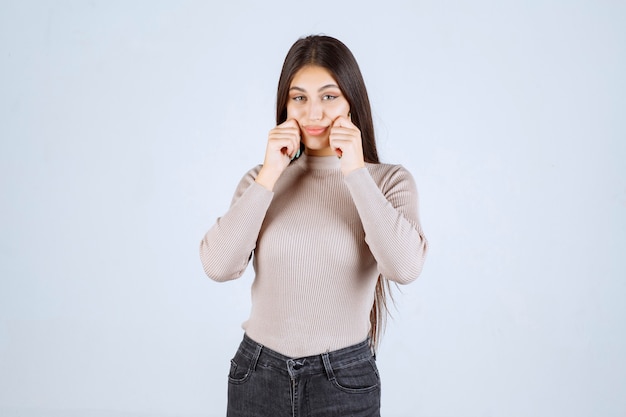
[[318, 242]]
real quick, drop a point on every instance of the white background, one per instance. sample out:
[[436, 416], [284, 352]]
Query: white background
[[126, 125]]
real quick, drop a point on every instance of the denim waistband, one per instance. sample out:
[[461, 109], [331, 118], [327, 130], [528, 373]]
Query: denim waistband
[[324, 362]]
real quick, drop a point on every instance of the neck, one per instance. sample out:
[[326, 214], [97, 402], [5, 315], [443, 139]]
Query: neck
[[320, 162], [320, 152]]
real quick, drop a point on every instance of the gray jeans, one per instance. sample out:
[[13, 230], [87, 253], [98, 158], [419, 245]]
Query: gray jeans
[[264, 383]]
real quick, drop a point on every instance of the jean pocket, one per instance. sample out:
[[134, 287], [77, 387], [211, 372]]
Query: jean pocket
[[358, 377], [240, 369]]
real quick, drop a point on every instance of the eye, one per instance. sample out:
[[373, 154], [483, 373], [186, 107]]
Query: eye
[[298, 98], [328, 97]]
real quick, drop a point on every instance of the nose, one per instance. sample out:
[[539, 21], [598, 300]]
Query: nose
[[315, 110]]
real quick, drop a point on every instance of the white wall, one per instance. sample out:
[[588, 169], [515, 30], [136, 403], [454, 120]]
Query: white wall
[[125, 127]]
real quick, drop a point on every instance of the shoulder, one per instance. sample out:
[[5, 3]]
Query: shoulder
[[390, 176], [246, 181], [251, 175]]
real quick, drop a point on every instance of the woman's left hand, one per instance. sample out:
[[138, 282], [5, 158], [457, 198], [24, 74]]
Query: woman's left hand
[[345, 140]]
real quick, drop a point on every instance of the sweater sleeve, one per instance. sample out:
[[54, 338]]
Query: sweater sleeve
[[226, 248], [389, 214]]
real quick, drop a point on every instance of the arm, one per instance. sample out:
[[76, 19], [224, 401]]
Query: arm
[[389, 214], [227, 247]]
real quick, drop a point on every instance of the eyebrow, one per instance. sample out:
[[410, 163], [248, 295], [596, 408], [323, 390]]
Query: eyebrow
[[321, 89]]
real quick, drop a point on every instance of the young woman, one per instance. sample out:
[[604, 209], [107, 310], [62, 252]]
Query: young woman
[[327, 227]]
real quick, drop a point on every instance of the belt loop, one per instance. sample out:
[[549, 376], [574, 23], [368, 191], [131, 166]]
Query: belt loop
[[255, 358], [327, 367]]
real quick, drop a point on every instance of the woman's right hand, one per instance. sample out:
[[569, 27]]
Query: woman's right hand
[[282, 145]]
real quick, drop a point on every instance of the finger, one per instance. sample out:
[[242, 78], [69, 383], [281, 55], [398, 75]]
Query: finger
[[294, 123], [281, 134], [290, 126], [338, 145], [286, 144], [286, 138], [344, 140], [338, 151], [344, 132], [284, 133], [342, 121], [289, 123]]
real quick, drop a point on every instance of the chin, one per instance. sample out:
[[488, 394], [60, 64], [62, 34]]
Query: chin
[[316, 144]]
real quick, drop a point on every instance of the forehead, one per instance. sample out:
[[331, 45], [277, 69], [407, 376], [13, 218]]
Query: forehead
[[312, 75]]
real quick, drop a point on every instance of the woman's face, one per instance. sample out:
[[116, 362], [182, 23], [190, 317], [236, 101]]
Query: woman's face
[[315, 101]]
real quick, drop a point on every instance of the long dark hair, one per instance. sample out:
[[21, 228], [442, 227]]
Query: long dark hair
[[334, 56]]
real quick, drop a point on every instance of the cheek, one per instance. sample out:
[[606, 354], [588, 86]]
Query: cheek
[[293, 112], [340, 109]]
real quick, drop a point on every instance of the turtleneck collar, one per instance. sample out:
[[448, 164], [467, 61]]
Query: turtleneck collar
[[319, 162]]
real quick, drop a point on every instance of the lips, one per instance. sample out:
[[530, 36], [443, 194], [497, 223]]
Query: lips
[[315, 130]]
